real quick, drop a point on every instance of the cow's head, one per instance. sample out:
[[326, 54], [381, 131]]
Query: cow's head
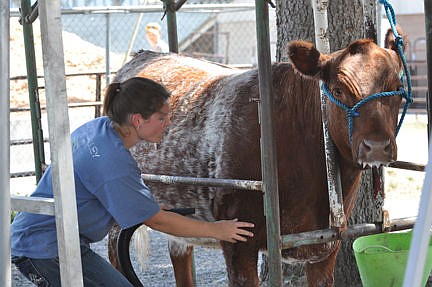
[[351, 75]]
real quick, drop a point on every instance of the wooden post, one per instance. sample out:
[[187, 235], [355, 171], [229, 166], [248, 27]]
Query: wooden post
[[268, 146], [60, 143]]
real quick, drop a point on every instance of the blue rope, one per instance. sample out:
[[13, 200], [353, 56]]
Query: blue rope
[[399, 42], [352, 112]]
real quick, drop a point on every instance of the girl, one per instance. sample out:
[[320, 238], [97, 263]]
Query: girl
[[109, 189]]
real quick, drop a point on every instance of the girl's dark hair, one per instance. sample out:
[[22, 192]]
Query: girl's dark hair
[[135, 95]]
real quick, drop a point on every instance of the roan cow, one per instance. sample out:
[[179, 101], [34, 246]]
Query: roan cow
[[215, 133]]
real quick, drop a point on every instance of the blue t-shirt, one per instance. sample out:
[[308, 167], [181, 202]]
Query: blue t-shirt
[[108, 186]]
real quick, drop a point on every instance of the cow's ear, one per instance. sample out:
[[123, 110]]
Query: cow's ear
[[306, 58], [389, 40]]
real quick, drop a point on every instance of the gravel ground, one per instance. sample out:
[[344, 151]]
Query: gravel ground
[[209, 264]]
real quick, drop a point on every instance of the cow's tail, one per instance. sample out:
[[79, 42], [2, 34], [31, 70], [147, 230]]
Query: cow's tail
[[141, 245], [139, 252]]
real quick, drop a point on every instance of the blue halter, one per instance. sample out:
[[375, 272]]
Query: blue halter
[[352, 112]]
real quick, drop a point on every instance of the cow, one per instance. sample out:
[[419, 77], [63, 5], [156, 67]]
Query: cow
[[215, 133]]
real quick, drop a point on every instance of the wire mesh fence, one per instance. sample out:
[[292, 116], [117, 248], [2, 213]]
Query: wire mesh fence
[[222, 33], [99, 40]]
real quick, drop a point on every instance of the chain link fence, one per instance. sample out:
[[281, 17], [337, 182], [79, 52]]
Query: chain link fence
[[99, 40], [225, 33]]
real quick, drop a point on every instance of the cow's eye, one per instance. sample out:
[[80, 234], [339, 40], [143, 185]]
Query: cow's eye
[[337, 92]]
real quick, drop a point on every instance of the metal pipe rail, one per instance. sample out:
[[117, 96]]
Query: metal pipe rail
[[147, 8], [67, 75], [24, 141], [332, 234], [70, 105], [408, 165], [214, 182]]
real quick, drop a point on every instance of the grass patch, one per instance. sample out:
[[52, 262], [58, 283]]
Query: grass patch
[[12, 215]]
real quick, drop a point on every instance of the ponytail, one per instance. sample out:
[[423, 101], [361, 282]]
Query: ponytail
[[111, 93]]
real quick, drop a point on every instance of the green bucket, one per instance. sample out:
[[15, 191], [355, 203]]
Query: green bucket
[[382, 258]]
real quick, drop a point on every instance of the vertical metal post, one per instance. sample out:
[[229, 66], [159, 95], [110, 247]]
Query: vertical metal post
[[60, 143], [107, 49], [421, 233], [337, 216], [428, 23], [170, 9], [98, 95], [268, 145], [5, 205], [37, 135]]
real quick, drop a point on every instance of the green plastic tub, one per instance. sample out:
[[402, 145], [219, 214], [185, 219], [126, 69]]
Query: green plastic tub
[[382, 258]]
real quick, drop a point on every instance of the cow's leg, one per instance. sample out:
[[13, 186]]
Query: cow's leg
[[241, 262], [181, 259], [112, 246], [321, 274]]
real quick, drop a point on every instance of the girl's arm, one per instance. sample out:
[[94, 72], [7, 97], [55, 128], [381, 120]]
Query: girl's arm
[[178, 225]]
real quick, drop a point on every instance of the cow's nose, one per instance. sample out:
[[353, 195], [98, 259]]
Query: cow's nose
[[376, 151]]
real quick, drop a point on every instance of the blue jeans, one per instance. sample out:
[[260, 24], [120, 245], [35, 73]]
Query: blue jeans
[[96, 271]]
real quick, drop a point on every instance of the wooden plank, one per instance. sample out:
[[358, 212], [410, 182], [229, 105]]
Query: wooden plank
[[60, 143], [37, 205]]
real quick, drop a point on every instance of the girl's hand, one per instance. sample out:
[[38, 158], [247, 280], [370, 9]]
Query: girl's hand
[[178, 225], [232, 230]]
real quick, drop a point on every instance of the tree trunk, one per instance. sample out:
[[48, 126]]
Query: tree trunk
[[295, 21], [347, 23]]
